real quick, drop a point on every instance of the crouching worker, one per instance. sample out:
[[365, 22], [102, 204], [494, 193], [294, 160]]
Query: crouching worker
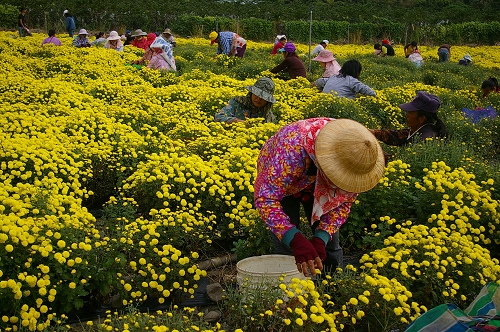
[[321, 164], [256, 104], [422, 120]]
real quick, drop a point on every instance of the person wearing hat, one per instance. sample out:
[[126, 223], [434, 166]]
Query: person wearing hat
[[228, 43], [114, 42], [320, 47], [140, 39], [279, 45], [321, 164], [330, 66], [291, 63], [69, 23], [167, 35], [444, 52], [256, 104], [422, 120], [346, 83], [52, 39], [81, 40], [466, 60]]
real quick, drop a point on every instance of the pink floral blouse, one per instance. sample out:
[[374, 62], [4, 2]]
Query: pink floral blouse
[[282, 171]]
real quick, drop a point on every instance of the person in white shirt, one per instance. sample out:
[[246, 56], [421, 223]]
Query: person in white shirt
[[321, 46]]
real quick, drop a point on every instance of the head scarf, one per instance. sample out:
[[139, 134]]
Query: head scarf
[[166, 51]]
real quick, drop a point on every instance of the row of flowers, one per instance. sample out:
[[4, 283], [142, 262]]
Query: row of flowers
[[82, 131]]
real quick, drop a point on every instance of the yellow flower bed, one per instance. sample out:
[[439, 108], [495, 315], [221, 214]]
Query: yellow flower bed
[[81, 129]]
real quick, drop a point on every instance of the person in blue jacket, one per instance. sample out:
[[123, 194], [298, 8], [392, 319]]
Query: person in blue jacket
[[70, 23]]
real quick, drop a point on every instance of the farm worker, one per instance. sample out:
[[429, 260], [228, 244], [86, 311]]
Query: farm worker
[[81, 40], [329, 64], [490, 85], [256, 104], [21, 23], [410, 48], [421, 117], [444, 52], [167, 35], [127, 38], [114, 42], [323, 164], [279, 45], [347, 83], [320, 47], [140, 39], [465, 61], [416, 58], [291, 63], [70, 23], [385, 49], [52, 39], [100, 40], [163, 57], [228, 43]]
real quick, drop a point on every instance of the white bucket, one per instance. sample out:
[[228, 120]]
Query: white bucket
[[266, 271]]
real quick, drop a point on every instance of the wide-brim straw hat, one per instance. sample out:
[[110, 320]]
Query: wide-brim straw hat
[[167, 32], [349, 155], [138, 33], [263, 88]]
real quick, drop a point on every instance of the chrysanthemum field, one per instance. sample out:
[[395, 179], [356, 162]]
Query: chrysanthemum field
[[116, 182]]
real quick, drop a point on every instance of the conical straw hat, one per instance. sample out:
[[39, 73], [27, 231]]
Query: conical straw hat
[[349, 155]]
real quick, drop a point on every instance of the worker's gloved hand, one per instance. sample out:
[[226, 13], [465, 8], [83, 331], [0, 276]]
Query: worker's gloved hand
[[320, 247], [305, 255]]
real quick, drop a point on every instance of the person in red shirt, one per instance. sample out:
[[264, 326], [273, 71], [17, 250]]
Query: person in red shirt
[[140, 39], [280, 44]]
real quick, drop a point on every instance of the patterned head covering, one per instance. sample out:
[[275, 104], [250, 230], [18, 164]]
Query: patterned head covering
[[166, 50]]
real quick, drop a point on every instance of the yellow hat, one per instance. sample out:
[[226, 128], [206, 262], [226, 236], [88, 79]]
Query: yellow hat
[[349, 155], [213, 36]]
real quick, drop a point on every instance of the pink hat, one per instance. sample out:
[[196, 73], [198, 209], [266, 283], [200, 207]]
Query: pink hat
[[325, 56]]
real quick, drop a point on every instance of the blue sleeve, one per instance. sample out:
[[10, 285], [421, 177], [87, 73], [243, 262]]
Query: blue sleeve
[[227, 113]]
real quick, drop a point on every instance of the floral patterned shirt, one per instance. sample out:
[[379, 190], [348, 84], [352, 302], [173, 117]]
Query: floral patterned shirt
[[282, 168]]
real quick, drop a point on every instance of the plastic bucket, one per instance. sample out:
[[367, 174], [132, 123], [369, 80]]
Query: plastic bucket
[[266, 271]]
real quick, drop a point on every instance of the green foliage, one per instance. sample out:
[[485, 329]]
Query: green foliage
[[8, 16]]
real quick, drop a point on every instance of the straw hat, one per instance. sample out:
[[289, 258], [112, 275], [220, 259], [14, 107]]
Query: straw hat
[[349, 155], [263, 88], [325, 56], [138, 33], [113, 35], [167, 32]]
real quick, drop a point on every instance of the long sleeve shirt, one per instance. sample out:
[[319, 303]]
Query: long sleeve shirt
[[347, 86], [225, 42], [234, 110], [293, 65], [403, 136], [282, 168]]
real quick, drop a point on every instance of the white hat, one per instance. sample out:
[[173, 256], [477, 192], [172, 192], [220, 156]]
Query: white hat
[[113, 35], [83, 32], [65, 11], [349, 155], [325, 41]]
